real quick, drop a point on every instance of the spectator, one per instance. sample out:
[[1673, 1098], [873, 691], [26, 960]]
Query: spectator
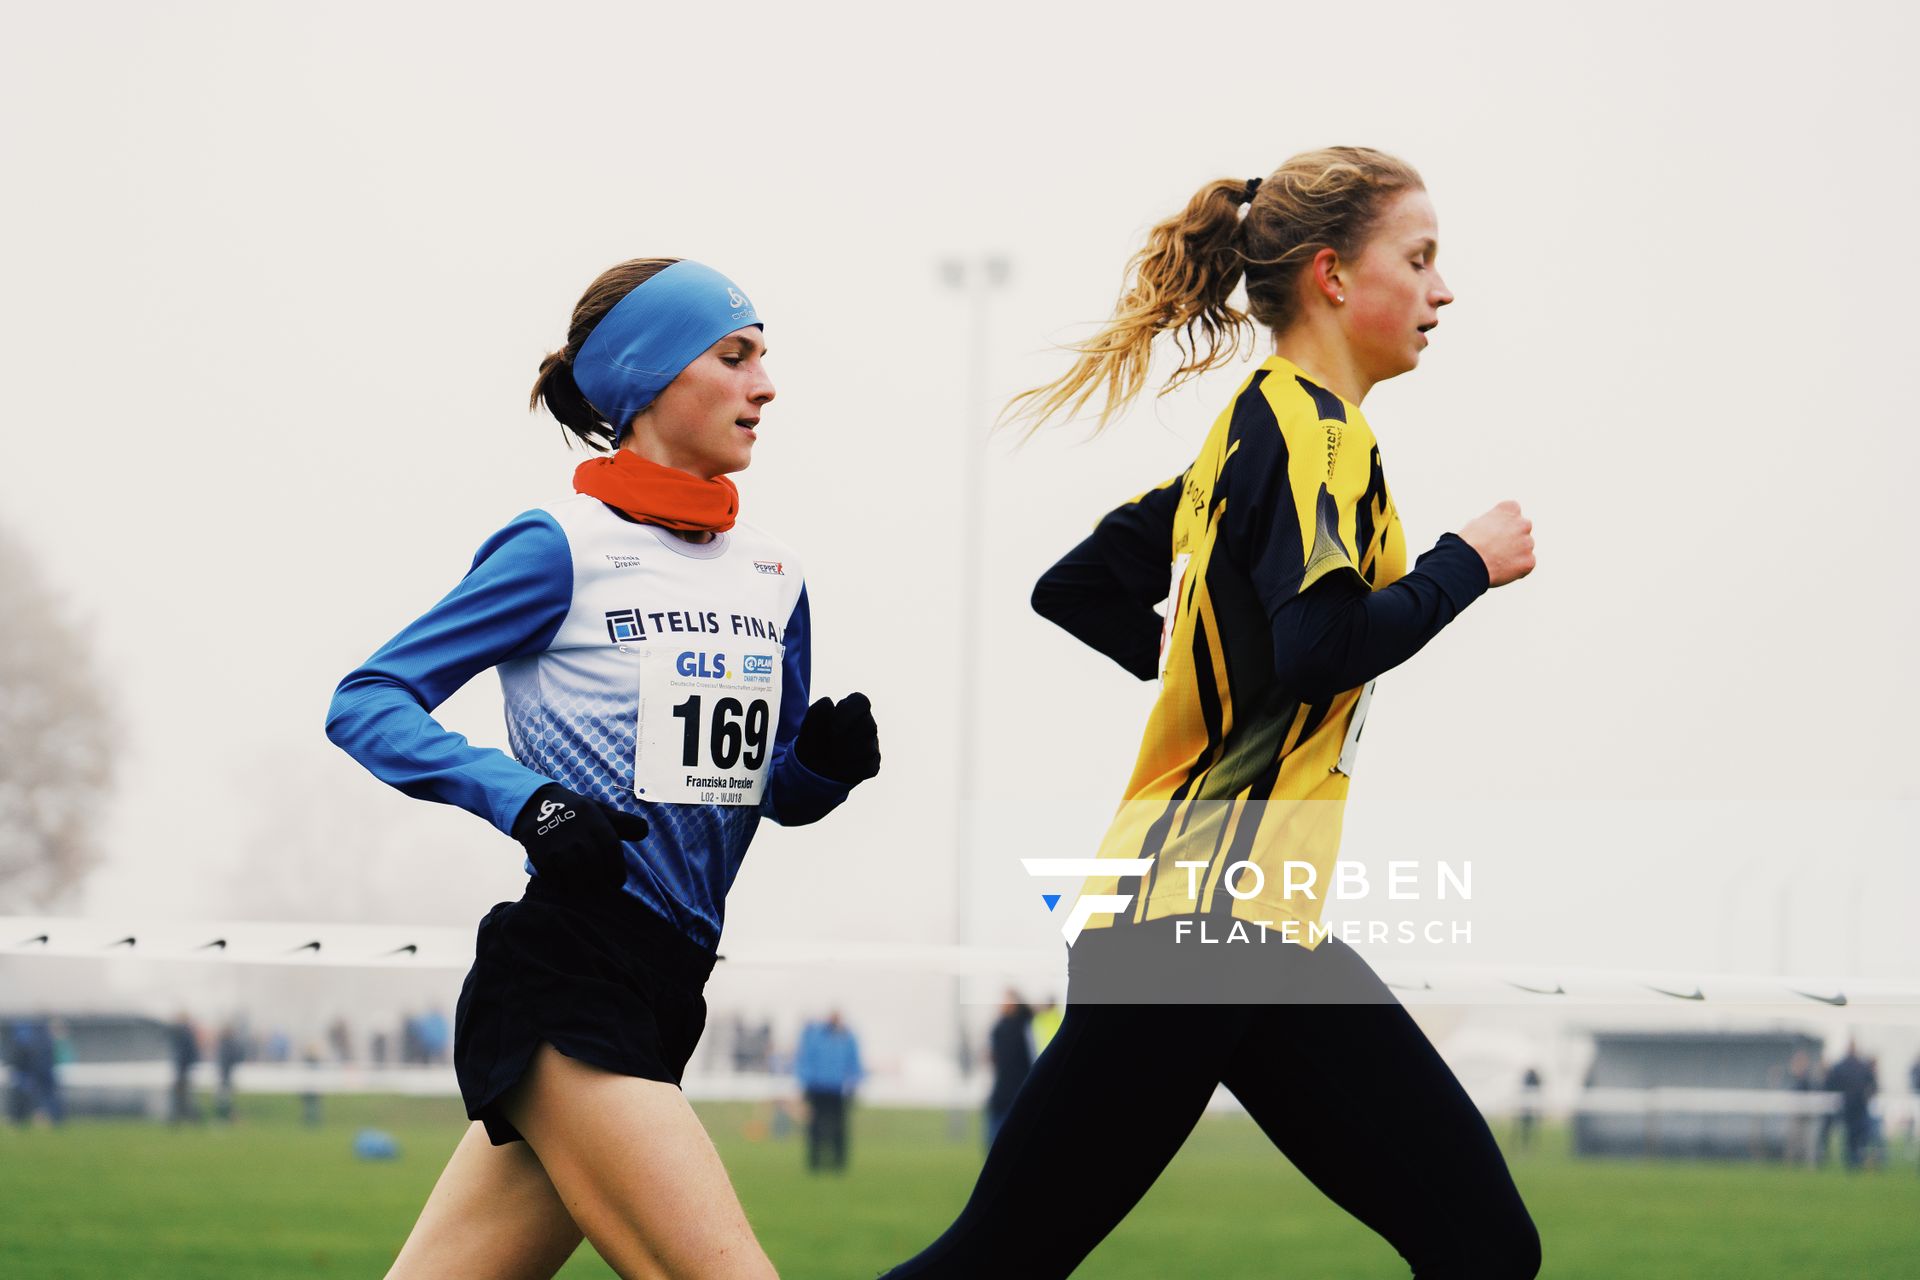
[[1529, 1113], [229, 1052], [19, 1084], [753, 1047], [1802, 1077], [340, 1039], [736, 1036], [61, 1043], [1853, 1079], [1913, 1086], [434, 1036], [1876, 1148], [310, 1100], [30, 1084], [185, 1046], [827, 1065], [1821, 1140], [1010, 1048]]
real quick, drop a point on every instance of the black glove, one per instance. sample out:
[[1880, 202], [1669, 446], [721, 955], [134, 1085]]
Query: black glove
[[840, 742], [573, 842]]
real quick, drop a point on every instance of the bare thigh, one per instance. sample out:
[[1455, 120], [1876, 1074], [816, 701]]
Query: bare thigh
[[494, 1215], [636, 1171]]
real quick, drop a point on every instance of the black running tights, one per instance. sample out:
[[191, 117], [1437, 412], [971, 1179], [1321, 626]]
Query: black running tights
[[1354, 1096]]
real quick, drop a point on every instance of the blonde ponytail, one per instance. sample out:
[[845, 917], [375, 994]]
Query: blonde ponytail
[[1182, 278]]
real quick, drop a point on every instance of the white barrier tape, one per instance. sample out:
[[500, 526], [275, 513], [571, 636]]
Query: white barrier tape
[[242, 942], [433, 948]]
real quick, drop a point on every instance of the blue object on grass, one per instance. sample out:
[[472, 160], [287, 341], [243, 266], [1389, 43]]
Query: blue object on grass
[[373, 1144]]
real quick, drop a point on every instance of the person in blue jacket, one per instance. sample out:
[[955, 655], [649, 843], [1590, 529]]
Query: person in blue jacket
[[653, 654], [827, 1065]]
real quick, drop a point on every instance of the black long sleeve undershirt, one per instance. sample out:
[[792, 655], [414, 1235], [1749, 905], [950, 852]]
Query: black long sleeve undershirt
[[1082, 594], [1337, 634]]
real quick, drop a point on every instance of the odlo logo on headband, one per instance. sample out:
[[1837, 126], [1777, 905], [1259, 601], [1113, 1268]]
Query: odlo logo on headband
[[733, 296]]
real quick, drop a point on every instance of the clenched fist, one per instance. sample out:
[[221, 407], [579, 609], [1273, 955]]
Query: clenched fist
[[841, 741], [1504, 539], [574, 843]]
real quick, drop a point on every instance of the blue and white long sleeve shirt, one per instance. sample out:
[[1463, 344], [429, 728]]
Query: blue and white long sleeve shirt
[[574, 604]]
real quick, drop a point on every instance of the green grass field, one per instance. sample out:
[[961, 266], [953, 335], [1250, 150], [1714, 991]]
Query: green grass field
[[267, 1197]]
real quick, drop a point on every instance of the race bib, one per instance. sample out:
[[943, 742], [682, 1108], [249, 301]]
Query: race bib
[[1351, 747], [707, 720], [1173, 607]]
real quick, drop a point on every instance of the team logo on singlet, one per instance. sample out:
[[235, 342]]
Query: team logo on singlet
[[770, 566], [624, 625]]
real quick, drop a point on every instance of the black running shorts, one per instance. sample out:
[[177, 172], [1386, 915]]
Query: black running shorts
[[599, 977]]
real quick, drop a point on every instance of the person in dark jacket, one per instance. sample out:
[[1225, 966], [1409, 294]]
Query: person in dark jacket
[[1010, 1047], [1854, 1079], [184, 1042]]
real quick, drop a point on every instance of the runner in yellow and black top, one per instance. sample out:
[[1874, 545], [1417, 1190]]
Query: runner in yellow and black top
[[1265, 587], [1240, 765]]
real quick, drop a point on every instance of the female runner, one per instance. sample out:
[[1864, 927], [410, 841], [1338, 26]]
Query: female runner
[[653, 653], [1282, 561]]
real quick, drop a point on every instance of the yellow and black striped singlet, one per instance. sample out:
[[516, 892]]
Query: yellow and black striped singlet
[[1235, 768]]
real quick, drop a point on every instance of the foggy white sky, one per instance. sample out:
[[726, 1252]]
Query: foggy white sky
[[278, 279]]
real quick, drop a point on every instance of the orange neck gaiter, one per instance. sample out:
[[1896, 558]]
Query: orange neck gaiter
[[654, 494]]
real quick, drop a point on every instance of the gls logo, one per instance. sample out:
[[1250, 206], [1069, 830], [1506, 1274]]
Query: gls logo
[[548, 808], [705, 666], [1086, 905]]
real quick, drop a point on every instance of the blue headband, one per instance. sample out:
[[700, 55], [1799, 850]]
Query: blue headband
[[653, 333]]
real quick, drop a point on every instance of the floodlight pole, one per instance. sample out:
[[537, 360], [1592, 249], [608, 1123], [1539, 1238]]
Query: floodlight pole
[[977, 278]]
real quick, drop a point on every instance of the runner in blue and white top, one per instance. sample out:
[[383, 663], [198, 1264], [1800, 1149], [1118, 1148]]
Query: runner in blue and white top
[[575, 604], [653, 651]]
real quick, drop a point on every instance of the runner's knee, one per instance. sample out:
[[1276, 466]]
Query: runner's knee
[[1503, 1248], [1516, 1251]]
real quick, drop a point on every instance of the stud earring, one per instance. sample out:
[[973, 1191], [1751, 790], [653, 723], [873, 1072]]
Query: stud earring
[[1339, 297]]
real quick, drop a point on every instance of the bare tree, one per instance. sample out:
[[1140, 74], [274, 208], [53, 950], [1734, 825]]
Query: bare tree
[[56, 763]]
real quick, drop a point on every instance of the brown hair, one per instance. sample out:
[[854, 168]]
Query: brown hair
[[1182, 278], [555, 385]]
